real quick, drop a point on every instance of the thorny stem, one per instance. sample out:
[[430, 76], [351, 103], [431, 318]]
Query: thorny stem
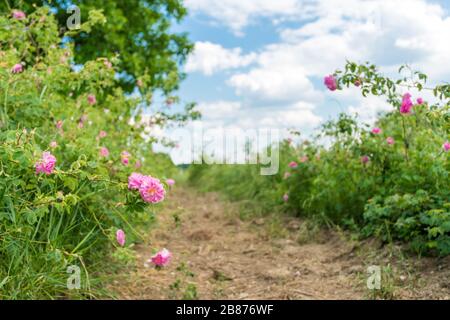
[[405, 141]]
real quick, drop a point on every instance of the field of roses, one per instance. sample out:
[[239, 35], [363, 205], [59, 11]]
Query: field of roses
[[390, 180], [75, 177]]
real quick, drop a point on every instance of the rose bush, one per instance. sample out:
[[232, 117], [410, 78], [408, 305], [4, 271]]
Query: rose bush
[[65, 129], [389, 180]]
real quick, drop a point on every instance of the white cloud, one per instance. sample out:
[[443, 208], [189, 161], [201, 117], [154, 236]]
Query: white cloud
[[299, 115], [237, 14], [210, 58], [275, 83], [384, 32], [219, 109], [388, 33], [233, 114], [368, 109], [278, 88], [380, 31]]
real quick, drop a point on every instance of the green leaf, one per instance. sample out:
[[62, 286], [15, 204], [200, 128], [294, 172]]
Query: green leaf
[[30, 216], [70, 183]]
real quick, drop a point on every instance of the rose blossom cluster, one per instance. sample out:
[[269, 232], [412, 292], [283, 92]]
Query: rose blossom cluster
[[125, 157], [330, 82], [407, 104], [102, 134], [104, 152], [18, 15], [46, 164], [446, 146], [120, 237], [150, 189], [17, 68], [376, 130], [91, 99], [406, 108], [293, 164], [161, 258]]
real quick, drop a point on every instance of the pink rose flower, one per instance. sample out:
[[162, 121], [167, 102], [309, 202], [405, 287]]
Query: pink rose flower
[[407, 104], [151, 190], [125, 161], [293, 164], [17, 68], [91, 99], [390, 140], [170, 182], [376, 130], [46, 164], [120, 237], [357, 82], [365, 159], [330, 82], [59, 124], [135, 181], [53, 144], [107, 64], [102, 134], [304, 159], [161, 258], [446, 146], [138, 164], [104, 152], [125, 158], [18, 15], [419, 101], [285, 197]]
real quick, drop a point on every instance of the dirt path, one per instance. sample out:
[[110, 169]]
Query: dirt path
[[218, 256], [232, 259]]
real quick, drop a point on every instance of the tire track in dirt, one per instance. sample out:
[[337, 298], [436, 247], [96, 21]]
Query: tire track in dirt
[[232, 259]]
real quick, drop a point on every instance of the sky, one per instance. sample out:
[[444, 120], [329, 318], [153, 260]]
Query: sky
[[261, 63]]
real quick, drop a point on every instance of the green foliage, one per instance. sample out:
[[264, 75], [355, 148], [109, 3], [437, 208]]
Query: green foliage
[[420, 218], [140, 31], [183, 287], [239, 183], [401, 192], [69, 217]]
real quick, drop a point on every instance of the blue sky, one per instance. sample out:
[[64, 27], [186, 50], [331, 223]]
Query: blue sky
[[261, 63]]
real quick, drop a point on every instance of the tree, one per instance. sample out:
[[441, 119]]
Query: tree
[[137, 30]]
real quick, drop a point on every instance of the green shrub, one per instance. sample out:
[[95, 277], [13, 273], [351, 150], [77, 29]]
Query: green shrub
[[392, 182], [68, 217], [421, 219]]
